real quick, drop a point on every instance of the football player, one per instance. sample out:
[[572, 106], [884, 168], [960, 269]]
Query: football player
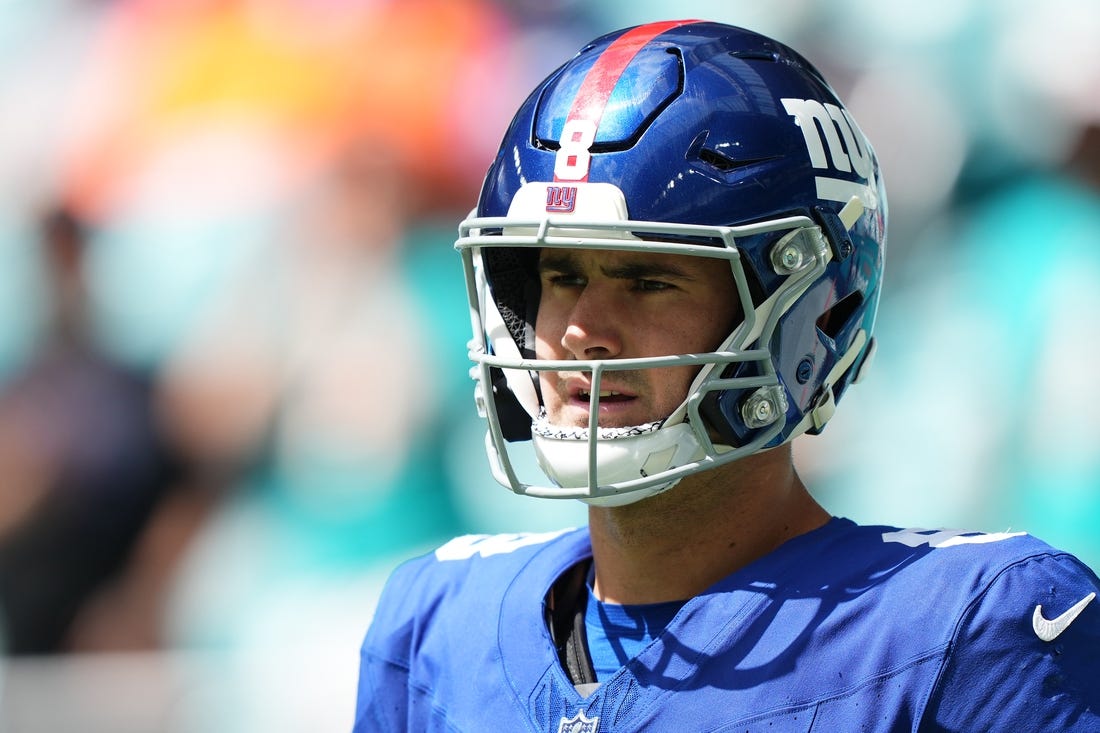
[[673, 271]]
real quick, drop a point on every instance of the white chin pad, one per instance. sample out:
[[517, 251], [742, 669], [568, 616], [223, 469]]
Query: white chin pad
[[619, 459]]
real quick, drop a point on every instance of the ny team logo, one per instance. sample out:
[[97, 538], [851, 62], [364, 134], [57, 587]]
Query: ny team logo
[[579, 724], [561, 199], [835, 144]]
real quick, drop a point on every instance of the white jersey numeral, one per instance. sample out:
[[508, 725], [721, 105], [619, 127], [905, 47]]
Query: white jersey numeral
[[463, 548], [945, 537]]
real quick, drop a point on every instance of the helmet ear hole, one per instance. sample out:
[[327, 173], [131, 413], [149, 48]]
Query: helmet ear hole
[[832, 321]]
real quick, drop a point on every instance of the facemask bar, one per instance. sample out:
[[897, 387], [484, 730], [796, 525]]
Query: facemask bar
[[565, 233]]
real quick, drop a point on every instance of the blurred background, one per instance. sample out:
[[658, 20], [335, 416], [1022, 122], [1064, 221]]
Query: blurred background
[[233, 380]]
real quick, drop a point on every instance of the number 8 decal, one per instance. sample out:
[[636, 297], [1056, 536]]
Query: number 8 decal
[[573, 156]]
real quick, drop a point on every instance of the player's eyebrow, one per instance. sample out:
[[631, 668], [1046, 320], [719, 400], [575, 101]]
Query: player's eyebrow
[[643, 269], [558, 262]]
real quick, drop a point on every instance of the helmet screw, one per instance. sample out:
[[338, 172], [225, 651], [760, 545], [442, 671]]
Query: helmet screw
[[764, 407], [805, 370], [797, 250], [791, 258]]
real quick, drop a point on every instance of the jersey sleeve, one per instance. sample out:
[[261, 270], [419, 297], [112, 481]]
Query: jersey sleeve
[[1026, 653]]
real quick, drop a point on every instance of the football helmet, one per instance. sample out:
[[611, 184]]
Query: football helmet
[[683, 137]]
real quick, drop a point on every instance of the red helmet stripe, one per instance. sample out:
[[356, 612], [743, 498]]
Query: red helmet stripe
[[601, 79]]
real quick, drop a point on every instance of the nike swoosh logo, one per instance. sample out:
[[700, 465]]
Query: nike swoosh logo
[[1052, 629]]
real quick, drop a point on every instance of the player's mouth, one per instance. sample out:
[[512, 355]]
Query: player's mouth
[[569, 401], [616, 404], [606, 395], [579, 392]]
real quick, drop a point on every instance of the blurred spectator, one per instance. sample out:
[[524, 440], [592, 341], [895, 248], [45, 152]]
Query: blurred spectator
[[310, 372], [83, 467]]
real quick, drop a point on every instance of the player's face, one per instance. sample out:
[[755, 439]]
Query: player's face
[[603, 304]]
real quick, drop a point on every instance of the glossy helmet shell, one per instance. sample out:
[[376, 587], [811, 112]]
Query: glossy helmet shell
[[705, 123]]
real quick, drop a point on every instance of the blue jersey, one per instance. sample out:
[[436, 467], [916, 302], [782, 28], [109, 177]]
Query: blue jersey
[[846, 628]]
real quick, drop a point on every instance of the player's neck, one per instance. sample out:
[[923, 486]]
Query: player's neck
[[676, 545]]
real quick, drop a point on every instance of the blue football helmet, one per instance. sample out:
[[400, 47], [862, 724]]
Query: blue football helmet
[[682, 137]]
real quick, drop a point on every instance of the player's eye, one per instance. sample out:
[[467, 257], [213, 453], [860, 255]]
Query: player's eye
[[652, 286], [564, 279]]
